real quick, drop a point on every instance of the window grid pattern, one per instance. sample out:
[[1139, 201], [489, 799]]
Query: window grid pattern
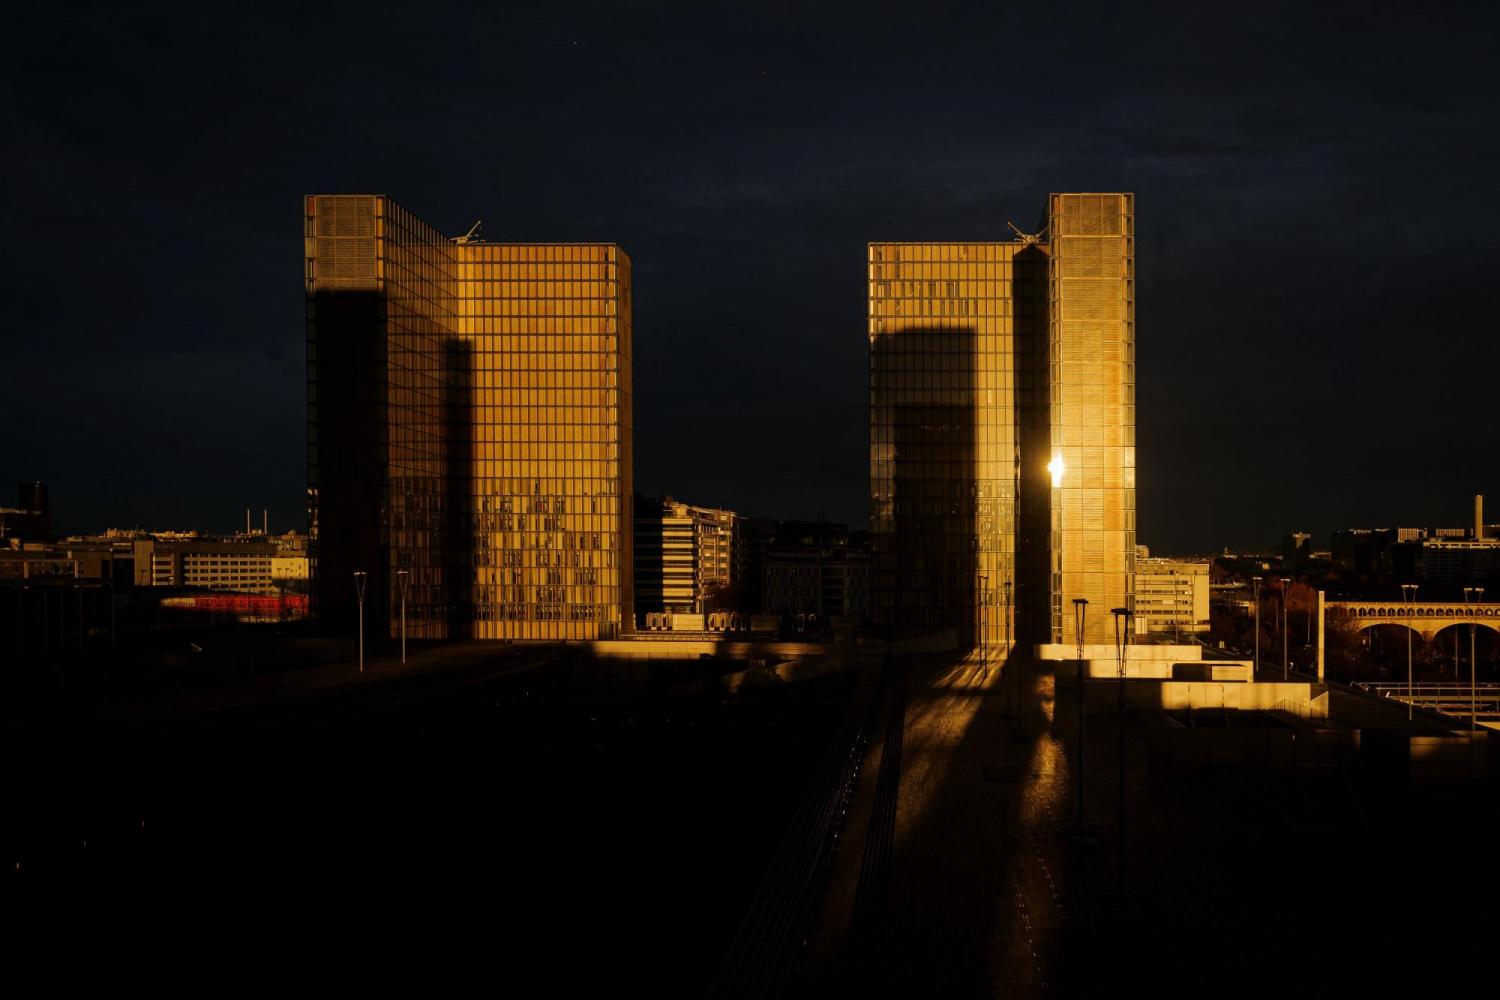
[[503, 374], [549, 328], [1092, 377], [943, 438]]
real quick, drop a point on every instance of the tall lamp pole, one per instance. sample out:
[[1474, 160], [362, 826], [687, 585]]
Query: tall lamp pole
[[1010, 660], [111, 598], [1408, 595], [1009, 614], [984, 663], [1256, 669], [1286, 668], [359, 595], [1122, 636], [1080, 613], [1478, 593], [401, 584]]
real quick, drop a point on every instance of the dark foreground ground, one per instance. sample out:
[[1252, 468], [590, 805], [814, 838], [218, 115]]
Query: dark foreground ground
[[490, 824], [518, 820], [966, 878]]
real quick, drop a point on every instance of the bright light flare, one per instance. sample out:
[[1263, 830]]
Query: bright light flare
[[1057, 468]]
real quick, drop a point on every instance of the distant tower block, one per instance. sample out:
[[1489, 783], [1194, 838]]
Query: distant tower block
[[32, 495]]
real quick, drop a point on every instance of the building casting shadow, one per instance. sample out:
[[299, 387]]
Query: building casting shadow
[[1034, 439], [347, 459], [986, 897], [457, 548], [924, 496]]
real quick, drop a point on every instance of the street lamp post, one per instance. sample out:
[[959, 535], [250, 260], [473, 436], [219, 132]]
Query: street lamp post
[[984, 663], [359, 596], [1478, 593], [1010, 614], [1010, 661], [1256, 670], [1080, 613], [111, 600], [1286, 666], [1408, 595], [1122, 636], [401, 585]]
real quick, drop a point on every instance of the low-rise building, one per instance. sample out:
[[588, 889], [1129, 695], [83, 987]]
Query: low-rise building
[[1171, 595], [1460, 561], [243, 566], [1296, 550], [686, 557], [818, 569], [30, 520]]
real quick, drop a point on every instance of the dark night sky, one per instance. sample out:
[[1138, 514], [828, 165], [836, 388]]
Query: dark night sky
[[1315, 188]]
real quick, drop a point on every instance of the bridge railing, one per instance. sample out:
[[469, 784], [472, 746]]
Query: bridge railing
[[1390, 689], [1454, 700]]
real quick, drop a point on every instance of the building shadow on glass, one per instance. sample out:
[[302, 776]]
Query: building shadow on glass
[[457, 567], [347, 460], [1034, 440], [924, 489]]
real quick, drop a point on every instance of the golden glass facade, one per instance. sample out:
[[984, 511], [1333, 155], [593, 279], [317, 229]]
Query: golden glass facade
[[948, 325], [549, 328], [469, 416], [1091, 308], [987, 362]]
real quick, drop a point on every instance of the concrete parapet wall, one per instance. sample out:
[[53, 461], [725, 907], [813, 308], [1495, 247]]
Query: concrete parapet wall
[[1443, 759], [1188, 749], [1428, 759], [1133, 654], [936, 642], [1227, 671], [1304, 699], [692, 649]]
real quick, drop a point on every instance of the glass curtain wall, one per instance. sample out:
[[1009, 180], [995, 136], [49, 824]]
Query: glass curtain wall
[[548, 327], [943, 439], [1092, 315], [469, 424]]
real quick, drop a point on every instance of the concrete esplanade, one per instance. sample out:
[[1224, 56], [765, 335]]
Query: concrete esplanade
[[1426, 618]]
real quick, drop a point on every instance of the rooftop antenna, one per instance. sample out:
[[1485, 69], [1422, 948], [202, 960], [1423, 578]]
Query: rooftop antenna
[[1028, 239], [471, 236]]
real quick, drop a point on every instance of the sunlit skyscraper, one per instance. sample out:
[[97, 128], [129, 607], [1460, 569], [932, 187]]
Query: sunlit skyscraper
[[469, 427], [1002, 428]]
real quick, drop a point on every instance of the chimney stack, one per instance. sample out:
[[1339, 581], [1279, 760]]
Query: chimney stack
[[247, 520], [1478, 516], [265, 522]]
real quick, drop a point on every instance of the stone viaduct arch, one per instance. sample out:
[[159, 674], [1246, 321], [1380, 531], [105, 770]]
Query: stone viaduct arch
[[1426, 618]]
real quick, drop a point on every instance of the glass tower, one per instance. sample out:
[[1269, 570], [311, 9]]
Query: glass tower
[[1002, 429], [1091, 309], [469, 427]]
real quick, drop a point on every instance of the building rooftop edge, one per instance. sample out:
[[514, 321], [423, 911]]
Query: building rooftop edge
[[475, 242]]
